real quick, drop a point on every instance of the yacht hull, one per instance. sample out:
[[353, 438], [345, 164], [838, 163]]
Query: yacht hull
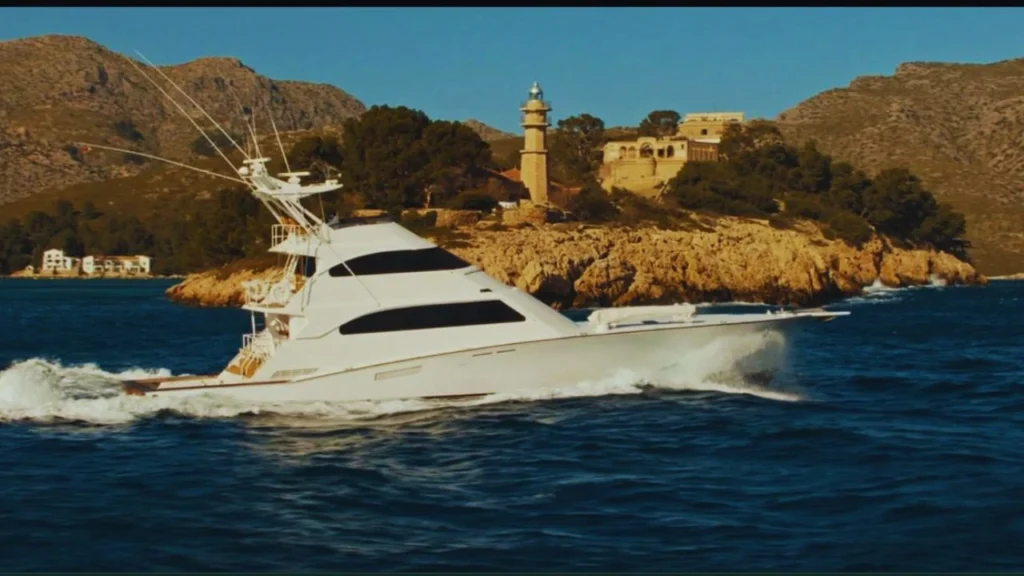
[[644, 354]]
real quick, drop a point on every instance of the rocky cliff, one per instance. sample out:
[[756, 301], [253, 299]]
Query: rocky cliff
[[62, 89], [957, 126], [736, 260]]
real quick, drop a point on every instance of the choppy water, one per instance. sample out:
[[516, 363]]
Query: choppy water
[[892, 439]]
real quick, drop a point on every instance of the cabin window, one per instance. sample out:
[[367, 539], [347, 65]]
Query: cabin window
[[307, 266], [433, 316], [400, 262]]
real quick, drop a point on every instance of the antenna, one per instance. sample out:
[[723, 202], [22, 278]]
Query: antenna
[[194, 103], [144, 155], [284, 156], [250, 127], [255, 139], [182, 110]]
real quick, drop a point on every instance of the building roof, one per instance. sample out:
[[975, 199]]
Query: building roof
[[121, 258], [515, 175], [712, 116], [512, 174]]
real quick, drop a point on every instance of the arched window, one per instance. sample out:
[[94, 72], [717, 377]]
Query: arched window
[[646, 151], [670, 151]]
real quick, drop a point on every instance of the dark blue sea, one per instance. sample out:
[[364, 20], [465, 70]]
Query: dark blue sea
[[892, 439]]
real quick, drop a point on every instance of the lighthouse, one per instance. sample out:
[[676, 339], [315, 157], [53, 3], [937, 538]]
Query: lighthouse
[[534, 155]]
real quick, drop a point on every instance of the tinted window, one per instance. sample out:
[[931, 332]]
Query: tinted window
[[433, 316], [307, 266], [401, 261]]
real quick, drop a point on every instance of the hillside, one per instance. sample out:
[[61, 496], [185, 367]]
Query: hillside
[[506, 148], [960, 127], [487, 133], [61, 89], [157, 189]]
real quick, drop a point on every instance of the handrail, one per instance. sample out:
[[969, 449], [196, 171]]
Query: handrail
[[260, 344], [267, 293], [280, 233], [256, 349]]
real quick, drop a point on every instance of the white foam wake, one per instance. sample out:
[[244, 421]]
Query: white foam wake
[[42, 390], [46, 391]]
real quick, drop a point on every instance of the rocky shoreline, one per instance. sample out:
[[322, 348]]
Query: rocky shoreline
[[571, 265], [1017, 276]]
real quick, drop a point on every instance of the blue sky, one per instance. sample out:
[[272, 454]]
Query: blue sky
[[615, 63]]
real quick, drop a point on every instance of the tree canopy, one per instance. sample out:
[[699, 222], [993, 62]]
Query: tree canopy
[[392, 155], [762, 176], [321, 155], [575, 152], [78, 233], [660, 123]]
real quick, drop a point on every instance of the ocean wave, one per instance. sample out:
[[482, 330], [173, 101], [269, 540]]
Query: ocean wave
[[878, 292]]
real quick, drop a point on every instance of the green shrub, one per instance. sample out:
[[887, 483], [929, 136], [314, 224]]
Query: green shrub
[[850, 228], [808, 207], [473, 200], [758, 169], [592, 204]]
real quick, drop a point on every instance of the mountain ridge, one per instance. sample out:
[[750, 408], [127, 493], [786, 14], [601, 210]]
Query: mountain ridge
[[959, 127], [66, 89]]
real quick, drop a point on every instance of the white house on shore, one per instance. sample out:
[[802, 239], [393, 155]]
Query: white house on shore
[[54, 260], [138, 264]]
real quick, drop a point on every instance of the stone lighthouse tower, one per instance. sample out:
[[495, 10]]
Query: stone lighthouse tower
[[534, 155]]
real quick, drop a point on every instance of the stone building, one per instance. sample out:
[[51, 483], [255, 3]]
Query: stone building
[[707, 126], [646, 164]]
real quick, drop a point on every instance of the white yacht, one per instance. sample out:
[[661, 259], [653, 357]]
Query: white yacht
[[367, 310]]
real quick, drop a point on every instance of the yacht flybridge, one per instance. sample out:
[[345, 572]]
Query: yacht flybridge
[[364, 309]]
